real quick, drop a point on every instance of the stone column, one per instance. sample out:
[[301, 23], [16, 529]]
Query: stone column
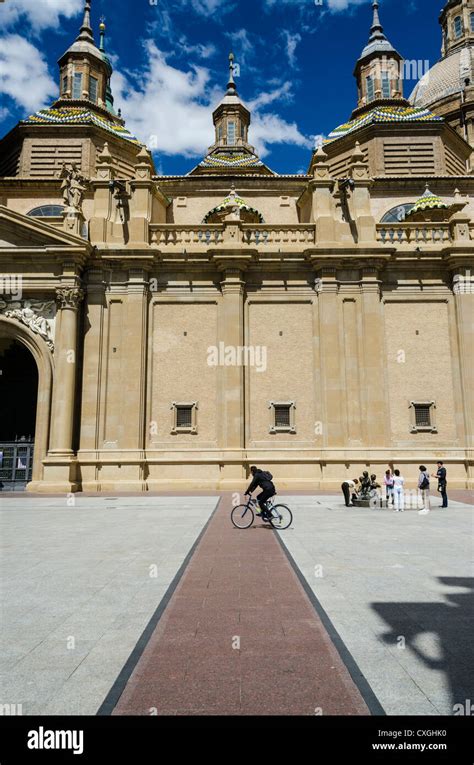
[[64, 389]]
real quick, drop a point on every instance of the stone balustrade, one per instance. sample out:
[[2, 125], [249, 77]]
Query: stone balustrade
[[261, 235], [164, 235], [414, 233]]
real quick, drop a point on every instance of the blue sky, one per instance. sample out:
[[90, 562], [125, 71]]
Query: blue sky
[[296, 60]]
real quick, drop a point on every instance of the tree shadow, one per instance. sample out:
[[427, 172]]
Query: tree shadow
[[453, 624]]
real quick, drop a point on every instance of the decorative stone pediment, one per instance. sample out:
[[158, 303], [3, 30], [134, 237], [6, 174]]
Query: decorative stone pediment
[[20, 231]]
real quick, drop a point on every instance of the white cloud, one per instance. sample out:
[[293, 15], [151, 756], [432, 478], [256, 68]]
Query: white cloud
[[24, 73], [41, 14], [333, 5], [283, 93], [171, 110], [291, 42], [268, 129]]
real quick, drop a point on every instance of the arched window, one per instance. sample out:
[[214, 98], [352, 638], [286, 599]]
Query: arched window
[[397, 214], [458, 26], [472, 22], [46, 211]]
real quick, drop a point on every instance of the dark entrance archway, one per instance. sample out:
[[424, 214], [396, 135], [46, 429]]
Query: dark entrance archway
[[18, 403]]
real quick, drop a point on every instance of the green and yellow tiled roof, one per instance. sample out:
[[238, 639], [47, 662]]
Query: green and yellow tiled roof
[[428, 201], [231, 159], [233, 200], [381, 115], [79, 116]]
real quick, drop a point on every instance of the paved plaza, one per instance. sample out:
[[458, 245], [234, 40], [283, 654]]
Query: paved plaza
[[158, 605]]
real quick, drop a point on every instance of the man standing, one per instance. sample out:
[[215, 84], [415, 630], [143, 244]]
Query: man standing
[[442, 483], [348, 487]]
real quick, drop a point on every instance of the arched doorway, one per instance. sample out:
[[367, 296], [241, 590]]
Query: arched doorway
[[18, 401], [26, 373]]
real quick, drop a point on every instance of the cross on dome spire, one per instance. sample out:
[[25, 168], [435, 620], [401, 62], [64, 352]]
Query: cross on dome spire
[[231, 89]]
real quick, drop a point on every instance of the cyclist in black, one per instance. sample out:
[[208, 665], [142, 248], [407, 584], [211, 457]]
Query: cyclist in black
[[262, 479]]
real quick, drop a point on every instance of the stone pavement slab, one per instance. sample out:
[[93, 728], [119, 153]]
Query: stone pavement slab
[[79, 584], [399, 590]]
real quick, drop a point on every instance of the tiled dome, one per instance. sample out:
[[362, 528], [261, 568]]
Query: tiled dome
[[445, 78]]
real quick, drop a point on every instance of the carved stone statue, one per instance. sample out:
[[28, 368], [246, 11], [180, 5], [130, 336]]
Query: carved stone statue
[[73, 186], [31, 313]]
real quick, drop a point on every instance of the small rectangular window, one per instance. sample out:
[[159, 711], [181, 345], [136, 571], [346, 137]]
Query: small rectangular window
[[93, 85], [370, 88], [458, 26], [231, 133], [472, 22], [184, 417], [282, 415], [77, 85], [385, 85], [422, 416], [282, 418], [65, 83]]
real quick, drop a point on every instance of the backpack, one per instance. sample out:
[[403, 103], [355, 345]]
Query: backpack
[[425, 482], [268, 476]]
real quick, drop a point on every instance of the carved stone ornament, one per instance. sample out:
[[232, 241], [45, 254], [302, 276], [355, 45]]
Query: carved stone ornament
[[69, 297], [37, 315]]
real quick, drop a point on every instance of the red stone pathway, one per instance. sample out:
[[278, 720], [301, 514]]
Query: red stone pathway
[[239, 586]]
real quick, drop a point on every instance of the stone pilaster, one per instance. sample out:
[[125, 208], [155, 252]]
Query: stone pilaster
[[463, 289], [360, 199], [323, 209], [374, 384], [92, 378], [100, 223], [141, 199], [232, 334], [332, 358], [135, 340]]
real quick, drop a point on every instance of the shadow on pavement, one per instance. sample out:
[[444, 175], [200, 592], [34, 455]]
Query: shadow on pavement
[[453, 624]]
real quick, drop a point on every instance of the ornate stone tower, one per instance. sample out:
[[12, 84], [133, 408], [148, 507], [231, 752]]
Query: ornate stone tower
[[76, 126], [378, 70], [448, 88], [231, 150]]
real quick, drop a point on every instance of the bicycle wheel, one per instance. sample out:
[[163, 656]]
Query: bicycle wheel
[[281, 517], [242, 516]]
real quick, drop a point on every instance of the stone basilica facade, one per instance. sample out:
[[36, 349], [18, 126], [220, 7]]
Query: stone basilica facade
[[166, 332]]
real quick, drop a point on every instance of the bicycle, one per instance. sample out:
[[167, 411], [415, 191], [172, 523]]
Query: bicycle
[[243, 516]]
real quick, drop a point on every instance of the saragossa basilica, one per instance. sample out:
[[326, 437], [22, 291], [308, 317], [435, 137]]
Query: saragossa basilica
[[167, 332]]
